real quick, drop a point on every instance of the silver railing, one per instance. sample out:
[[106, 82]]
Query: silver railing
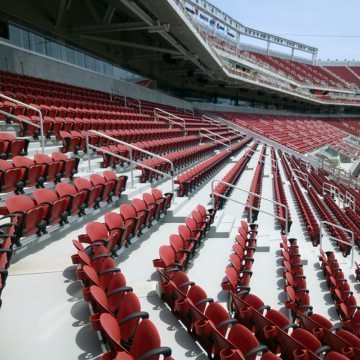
[[171, 118], [352, 244], [213, 136], [213, 193], [212, 121], [41, 126], [130, 159]]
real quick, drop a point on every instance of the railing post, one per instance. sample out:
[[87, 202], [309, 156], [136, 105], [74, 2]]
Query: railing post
[[88, 150], [132, 167]]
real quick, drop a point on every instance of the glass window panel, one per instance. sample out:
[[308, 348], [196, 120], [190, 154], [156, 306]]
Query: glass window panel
[[37, 43]]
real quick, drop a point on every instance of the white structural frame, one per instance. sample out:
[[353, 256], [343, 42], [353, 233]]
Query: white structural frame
[[213, 136], [162, 114], [286, 219], [210, 120], [41, 126], [130, 159], [352, 244]]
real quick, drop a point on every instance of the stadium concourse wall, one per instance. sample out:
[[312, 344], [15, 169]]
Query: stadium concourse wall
[[25, 62], [211, 107]]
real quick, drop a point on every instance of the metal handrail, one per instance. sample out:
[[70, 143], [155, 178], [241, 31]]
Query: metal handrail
[[333, 190], [131, 148], [264, 157], [172, 122], [339, 240], [250, 206], [297, 172], [207, 118], [215, 135], [139, 103], [41, 126], [157, 115]]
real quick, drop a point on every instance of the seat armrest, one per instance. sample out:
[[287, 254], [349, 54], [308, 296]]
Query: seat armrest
[[120, 290], [138, 314], [164, 350]]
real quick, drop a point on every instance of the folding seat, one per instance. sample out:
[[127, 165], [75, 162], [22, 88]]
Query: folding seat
[[130, 216], [30, 216], [93, 192], [10, 177], [145, 344], [195, 232], [70, 142], [32, 174], [210, 325], [116, 224], [309, 341], [69, 166], [141, 208], [10, 146], [185, 233], [297, 303], [207, 215], [162, 199], [120, 182], [107, 187], [244, 345], [182, 253], [76, 199], [47, 127], [99, 233], [54, 206], [52, 168], [167, 259]]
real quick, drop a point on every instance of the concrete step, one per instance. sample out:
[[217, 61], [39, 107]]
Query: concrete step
[[222, 226]]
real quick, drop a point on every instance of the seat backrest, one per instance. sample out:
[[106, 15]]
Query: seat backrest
[[109, 175], [216, 313], [22, 161], [19, 203], [45, 195], [96, 230], [254, 301], [195, 294], [307, 339], [58, 156], [113, 220], [277, 318], [82, 183], [43, 159], [157, 193], [97, 179], [5, 165], [242, 338], [167, 255], [127, 211], [65, 189], [139, 204]]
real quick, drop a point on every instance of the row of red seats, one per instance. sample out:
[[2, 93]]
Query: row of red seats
[[295, 280], [116, 310], [344, 220], [232, 177], [119, 228], [305, 209], [326, 215], [24, 172], [279, 193], [207, 321], [48, 207], [192, 178], [178, 158], [312, 337], [253, 202], [183, 245], [7, 241], [52, 126], [344, 299], [357, 271], [75, 141], [11, 146], [155, 146], [238, 273]]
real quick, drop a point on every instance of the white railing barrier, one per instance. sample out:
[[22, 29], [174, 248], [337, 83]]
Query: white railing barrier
[[352, 244], [171, 118], [334, 191], [213, 193], [41, 126], [214, 136], [130, 159]]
